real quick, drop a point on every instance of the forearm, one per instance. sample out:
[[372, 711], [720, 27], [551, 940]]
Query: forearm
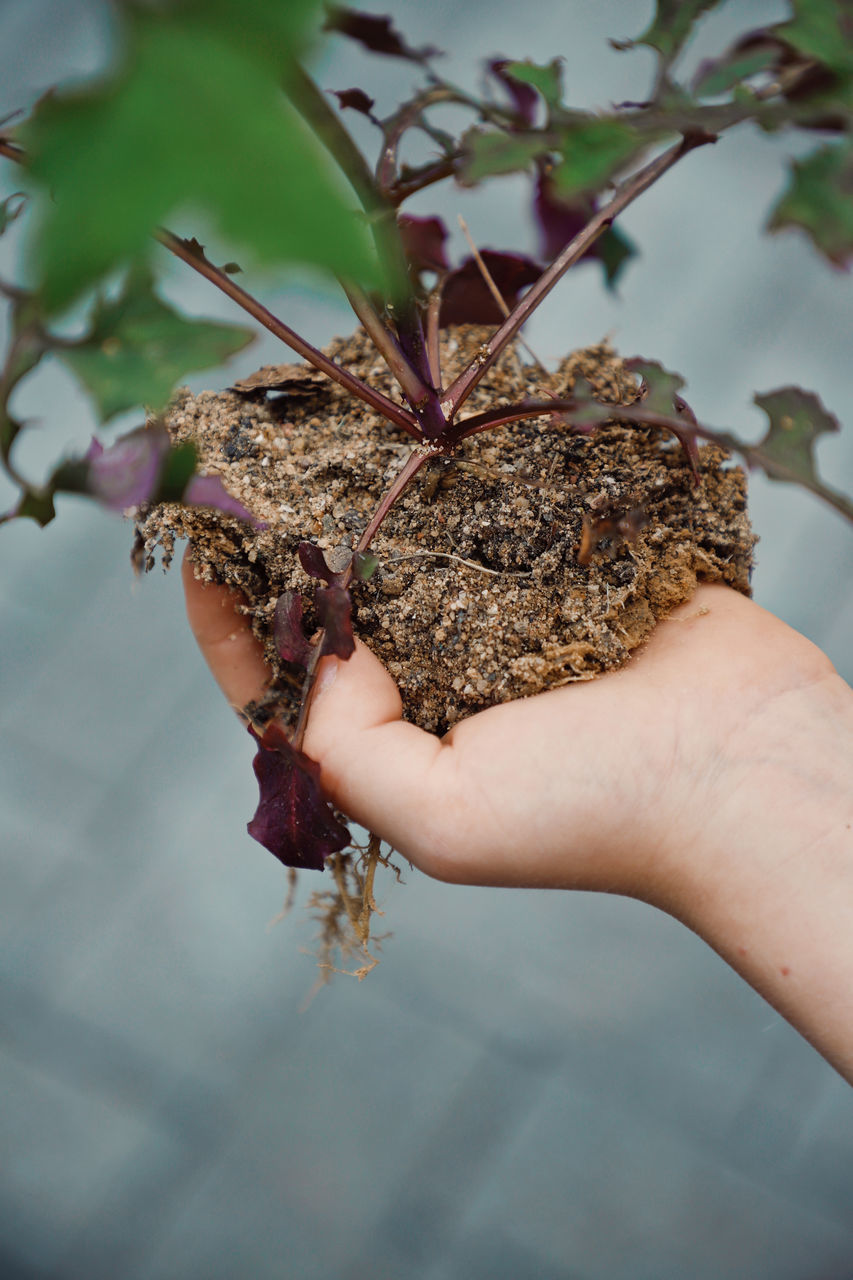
[[769, 884]]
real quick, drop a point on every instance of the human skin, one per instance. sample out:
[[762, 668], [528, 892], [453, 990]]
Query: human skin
[[710, 777]]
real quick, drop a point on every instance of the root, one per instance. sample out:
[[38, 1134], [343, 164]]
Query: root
[[345, 913]]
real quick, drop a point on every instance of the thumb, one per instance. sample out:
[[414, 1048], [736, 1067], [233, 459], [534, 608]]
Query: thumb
[[374, 766]]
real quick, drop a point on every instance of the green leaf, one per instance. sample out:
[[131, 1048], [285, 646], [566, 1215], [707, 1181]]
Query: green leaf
[[823, 30], [661, 396], [672, 25], [724, 73], [138, 348], [593, 151], [663, 385], [546, 78], [797, 420], [615, 251], [819, 200], [37, 504], [492, 153], [193, 118]]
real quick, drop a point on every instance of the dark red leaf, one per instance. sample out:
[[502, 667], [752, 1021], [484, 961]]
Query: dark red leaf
[[293, 819], [423, 242], [314, 562], [289, 637], [524, 97], [334, 610], [373, 32], [467, 299], [355, 100], [560, 221]]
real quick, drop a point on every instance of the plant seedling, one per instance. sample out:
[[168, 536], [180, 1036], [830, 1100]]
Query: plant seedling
[[189, 117]]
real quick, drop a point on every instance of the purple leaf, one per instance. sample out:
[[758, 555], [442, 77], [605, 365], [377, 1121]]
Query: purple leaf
[[209, 491], [355, 100], [314, 562], [290, 640], [467, 299], [559, 220], [127, 473], [423, 242], [525, 99], [334, 609], [293, 819], [375, 33]]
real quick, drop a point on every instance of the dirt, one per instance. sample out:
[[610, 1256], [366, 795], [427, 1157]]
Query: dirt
[[480, 596]]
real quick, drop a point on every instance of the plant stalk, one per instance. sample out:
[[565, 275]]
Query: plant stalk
[[395, 413], [414, 388], [407, 472], [461, 388]]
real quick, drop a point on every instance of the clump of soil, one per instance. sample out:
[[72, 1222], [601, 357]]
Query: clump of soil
[[480, 596]]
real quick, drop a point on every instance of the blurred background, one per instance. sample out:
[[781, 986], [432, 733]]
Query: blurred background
[[536, 1085]]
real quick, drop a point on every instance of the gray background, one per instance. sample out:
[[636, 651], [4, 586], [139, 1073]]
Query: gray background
[[530, 1085]]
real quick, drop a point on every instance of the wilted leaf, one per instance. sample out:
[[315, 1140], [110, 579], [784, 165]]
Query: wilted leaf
[[819, 200], [373, 32], [293, 820], [138, 348], [355, 100], [191, 116], [467, 299], [299, 381], [290, 639], [334, 610], [611, 530]]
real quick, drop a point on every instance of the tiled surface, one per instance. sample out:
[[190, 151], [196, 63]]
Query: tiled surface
[[531, 1086]]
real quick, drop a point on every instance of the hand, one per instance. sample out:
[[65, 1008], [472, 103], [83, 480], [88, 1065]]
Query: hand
[[706, 776]]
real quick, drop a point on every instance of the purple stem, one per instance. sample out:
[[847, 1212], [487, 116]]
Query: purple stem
[[382, 404], [461, 388]]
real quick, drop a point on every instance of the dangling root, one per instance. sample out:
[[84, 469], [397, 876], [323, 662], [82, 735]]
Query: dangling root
[[345, 912]]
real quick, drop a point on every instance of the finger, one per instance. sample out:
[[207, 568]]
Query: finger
[[380, 770], [373, 765], [232, 652]]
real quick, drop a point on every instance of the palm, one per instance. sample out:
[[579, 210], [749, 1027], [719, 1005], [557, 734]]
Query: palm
[[586, 786]]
